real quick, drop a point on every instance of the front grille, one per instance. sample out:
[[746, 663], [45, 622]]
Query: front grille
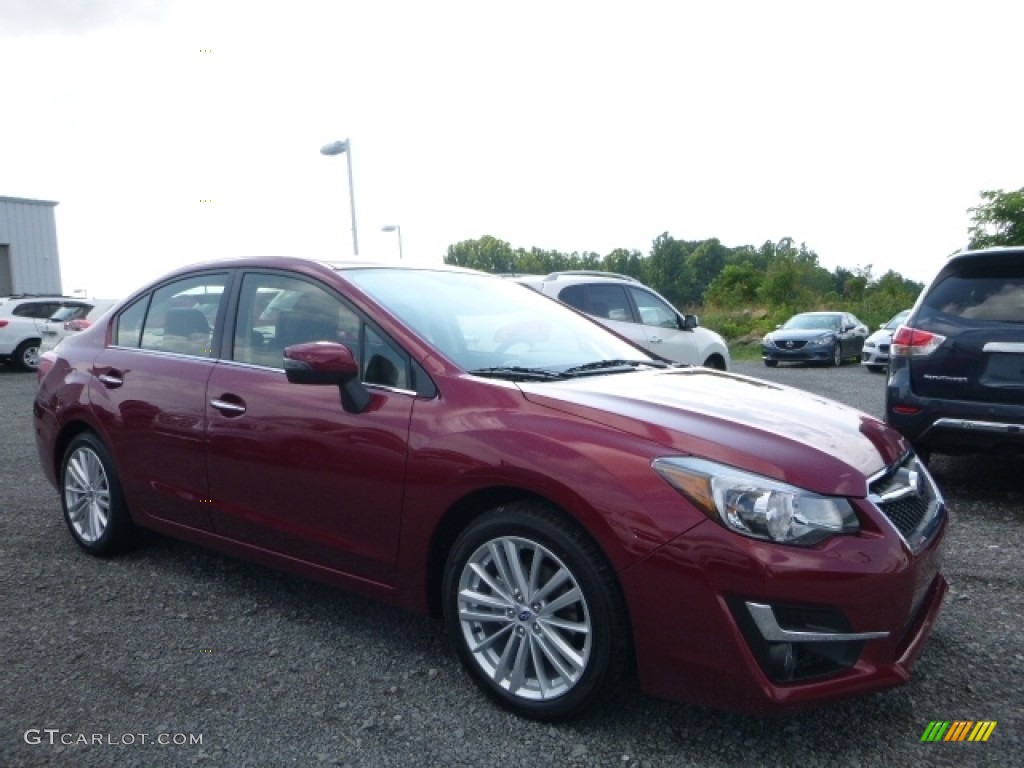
[[790, 344], [906, 514], [883, 348], [908, 497]]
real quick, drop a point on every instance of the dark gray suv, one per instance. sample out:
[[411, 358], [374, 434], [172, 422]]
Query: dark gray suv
[[956, 370]]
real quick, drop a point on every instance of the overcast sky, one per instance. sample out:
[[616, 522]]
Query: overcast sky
[[865, 130]]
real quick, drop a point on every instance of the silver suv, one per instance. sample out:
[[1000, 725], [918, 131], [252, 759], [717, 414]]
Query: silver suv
[[22, 318], [631, 309]]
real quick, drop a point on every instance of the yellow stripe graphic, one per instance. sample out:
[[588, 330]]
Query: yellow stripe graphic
[[983, 730]]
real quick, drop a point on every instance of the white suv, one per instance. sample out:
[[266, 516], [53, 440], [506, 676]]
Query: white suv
[[631, 309], [22, 318]]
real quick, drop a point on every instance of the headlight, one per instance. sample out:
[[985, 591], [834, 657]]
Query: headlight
[[758, 506], [828, 338]]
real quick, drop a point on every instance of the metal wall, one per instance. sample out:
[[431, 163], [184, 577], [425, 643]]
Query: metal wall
[[29, 230]]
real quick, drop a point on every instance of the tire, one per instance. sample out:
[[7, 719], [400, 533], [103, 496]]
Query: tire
[[26, 356], [875, 368], [771, 363], [837, 355], [507, 640], [94, 507]]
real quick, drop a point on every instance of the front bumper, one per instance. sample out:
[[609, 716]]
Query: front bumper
[[714, 629], [816, 353], [875, 356]]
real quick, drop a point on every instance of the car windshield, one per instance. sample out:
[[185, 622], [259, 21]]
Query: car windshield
[[64, 314], [812, 322], [483, 323], [897, 320]]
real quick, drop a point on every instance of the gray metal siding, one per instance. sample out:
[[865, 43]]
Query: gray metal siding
[[29, 228]]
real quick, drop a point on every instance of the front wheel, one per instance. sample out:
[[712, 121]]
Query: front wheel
[[837, 355], [94, 507], [534, 611], [771, 363], [26, 356]]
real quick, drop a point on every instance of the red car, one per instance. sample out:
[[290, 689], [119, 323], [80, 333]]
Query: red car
[[458, 445]]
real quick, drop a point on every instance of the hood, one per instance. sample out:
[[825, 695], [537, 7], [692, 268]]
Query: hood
[[882, 336], [773, 430], [799, 334]]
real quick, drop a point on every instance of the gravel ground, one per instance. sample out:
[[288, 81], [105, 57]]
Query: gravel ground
[[250, 667]]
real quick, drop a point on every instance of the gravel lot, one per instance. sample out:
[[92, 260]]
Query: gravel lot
[[175, 643]]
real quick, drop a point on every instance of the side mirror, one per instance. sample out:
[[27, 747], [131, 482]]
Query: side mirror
[[330, 363], [690, 322]]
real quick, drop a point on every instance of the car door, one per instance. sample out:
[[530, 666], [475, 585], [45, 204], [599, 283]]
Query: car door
[[854, 335], [663, 328], [148, 387], [290, 469]]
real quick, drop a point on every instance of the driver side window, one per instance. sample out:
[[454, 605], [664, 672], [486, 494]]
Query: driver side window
[[654, 311], [276, 311]]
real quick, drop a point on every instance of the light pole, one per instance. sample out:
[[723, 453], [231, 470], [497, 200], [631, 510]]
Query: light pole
[[337, 148], [395, 228]]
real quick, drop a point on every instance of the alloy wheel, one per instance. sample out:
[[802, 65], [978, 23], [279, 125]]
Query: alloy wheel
[[524, 618], [87, 494]]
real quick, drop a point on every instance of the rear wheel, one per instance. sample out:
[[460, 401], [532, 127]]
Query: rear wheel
[[94, 507], [26, 356], [535, 611]]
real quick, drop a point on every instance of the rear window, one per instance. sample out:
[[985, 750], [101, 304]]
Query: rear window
[[983, 297]]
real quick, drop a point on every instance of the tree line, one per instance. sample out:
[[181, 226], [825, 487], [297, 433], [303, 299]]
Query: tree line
[[746, 290]]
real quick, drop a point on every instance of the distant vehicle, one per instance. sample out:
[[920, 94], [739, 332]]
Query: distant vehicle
[[71, 319], [21, 324], [633, 310], [956, 368], [815, 337], [875, 355]]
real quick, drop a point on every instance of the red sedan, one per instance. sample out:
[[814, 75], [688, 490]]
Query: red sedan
[[456, 444]]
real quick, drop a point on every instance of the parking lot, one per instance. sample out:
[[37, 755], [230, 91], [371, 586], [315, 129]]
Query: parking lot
[[176, 656]]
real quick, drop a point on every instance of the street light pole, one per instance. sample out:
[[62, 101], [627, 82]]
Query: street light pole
[[345, 147], [395, 228]]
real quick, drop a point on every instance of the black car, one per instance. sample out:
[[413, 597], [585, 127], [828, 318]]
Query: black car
[[822, 337], [956, 376]]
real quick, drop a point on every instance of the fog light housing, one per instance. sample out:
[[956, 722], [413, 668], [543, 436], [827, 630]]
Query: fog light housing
[[795, 643]]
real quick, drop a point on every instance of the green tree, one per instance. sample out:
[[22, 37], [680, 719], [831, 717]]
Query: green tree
[[488, 254], [735, 287], [667, 270], [999, 220]]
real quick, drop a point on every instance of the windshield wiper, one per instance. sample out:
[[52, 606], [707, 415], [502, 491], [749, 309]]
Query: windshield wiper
[[515, 372], [618, 366]]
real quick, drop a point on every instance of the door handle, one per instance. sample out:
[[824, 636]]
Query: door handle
[[654, 339], [227, 407], [111, 380]]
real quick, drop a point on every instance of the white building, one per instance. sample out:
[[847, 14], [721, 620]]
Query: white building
[[28, 247]]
